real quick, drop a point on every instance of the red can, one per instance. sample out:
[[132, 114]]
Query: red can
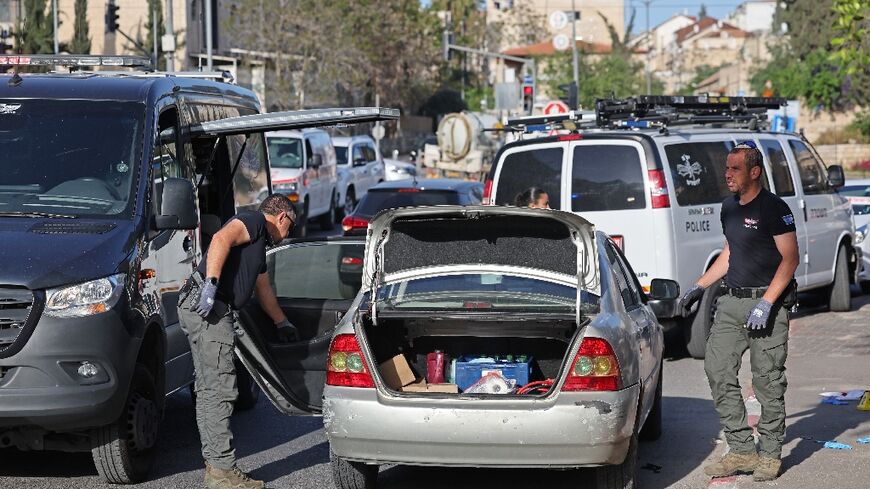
[[435, 367]]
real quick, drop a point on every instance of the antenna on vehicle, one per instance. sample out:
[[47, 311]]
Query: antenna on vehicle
[[16, 79]]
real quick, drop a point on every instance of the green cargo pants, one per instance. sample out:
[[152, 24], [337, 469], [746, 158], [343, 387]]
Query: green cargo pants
[[211, 346], [768, 348]]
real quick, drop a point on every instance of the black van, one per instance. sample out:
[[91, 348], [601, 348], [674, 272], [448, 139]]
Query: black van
[[112, 184]]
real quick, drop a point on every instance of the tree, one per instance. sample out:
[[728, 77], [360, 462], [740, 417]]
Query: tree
[[81, 42], [852, 42], [35, 35], [701, 73], [702, 12]]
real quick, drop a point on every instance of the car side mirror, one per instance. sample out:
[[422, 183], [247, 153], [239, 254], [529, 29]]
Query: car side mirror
[[179, 205], [167, 136], [316, 160], [836, 177], [663, 289], [359, 162]]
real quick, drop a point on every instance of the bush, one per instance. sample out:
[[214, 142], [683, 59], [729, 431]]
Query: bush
[[861, 123], [847, 135]]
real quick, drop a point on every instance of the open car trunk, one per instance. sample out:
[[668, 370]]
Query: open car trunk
[[528, 351]]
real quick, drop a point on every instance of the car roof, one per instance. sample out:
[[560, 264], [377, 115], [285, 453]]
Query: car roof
[[426, 184], [347, 140], [116, 86]]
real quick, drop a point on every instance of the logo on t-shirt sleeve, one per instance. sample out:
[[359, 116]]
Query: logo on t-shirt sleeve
[[788, 219]]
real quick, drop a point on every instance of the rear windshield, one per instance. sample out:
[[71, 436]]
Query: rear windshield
[[327, 271], [482, 292], [69, 157], [285, 152], [378, 200], [698, 171], [606, 178], [540, 168]]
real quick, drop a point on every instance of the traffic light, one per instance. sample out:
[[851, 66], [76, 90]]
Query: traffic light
[[528, 97], [569, 95], [111, 16]]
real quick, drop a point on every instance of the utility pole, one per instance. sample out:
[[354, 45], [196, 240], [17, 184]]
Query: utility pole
[[54, 14], [170, 56], [648, 50], [208, 65], [154, 40], [574, 46]]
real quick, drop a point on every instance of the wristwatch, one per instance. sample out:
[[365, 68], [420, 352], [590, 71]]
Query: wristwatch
[[212, 280]]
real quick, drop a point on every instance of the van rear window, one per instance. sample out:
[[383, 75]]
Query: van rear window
[[698, 171], [607, 178], [534, 168]]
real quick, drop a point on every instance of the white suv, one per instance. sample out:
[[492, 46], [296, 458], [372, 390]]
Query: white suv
[[360, 167], [304, 167], [657, 190]]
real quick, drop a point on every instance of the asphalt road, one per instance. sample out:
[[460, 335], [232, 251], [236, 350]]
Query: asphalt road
[[828, 351]]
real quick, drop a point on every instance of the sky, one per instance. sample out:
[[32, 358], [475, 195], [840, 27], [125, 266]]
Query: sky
[[661, 10]]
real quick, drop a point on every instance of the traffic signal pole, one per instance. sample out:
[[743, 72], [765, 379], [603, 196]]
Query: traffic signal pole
[[574, 46], [528, 62]]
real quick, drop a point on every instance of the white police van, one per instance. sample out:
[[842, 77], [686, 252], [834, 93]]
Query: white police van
[[650, 171]]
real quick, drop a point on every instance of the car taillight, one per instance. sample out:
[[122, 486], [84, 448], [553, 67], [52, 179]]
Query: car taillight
[[595, 368], [619, 240], [658, 189], [346, 366], [487, 193], [351, 260], [350, 223], [570, 137], [408, 190]]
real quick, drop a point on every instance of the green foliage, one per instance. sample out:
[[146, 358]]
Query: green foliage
[[810, 24], [611, 75], [702, 12], [701, 73], [35, 35], [852, 43], [816, 79], [862, 123], [81, 42]]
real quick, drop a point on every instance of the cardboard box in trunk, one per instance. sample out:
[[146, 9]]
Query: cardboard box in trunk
[[422, 386], [396, 372]]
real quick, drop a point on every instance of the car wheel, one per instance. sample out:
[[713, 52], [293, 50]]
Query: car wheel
[[839, 296], [619, 476], [123, 452], [349, 204], [327, 221], [652, 428], [697, 331], [249, 391], [352, 475]]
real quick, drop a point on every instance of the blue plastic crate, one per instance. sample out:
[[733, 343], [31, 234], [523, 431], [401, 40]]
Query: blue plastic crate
[[467, 373]]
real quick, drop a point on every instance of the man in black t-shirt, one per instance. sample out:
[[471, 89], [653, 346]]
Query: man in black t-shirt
[[231, 270], [759, 259]]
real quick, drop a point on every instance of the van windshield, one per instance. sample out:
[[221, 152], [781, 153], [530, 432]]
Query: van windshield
[[69, 157], [285, 152]]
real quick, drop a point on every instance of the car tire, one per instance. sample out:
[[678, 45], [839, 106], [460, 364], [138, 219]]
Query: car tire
[[124, 451], [839, 295], [347, 207], [697, 331], [652, 428], [249, 391], [327, 221], [353, 475], [619, 476]]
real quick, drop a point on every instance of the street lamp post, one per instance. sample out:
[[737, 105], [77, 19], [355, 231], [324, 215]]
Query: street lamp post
[[574, 46]]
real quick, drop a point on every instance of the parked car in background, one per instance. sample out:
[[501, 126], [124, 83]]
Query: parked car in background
[[858, 194], [410, 193], [304, 168], [360, 167], [540, 287], [399, 170]]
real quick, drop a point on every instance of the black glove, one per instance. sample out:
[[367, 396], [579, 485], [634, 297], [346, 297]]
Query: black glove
[[287, 333], [688, 299], [759, 315], [206, 299]]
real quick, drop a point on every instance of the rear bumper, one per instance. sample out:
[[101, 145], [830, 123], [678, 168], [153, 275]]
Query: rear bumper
[[40, 386], [573, 430]]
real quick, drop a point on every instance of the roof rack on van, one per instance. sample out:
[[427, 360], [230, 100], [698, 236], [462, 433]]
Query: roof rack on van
[[536, 123], [660, 111], [73, 61], [224, 76]]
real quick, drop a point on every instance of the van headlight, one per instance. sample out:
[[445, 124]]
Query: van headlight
[[289, 186], [85, 299], [861, 234]]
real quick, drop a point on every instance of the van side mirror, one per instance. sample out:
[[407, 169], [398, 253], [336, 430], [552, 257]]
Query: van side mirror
[[836, 177], [316, 160], [179, 205]]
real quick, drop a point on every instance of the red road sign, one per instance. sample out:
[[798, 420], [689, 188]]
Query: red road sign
[[555, 107]]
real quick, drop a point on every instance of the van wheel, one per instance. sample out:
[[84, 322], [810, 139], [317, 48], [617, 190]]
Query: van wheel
[[352, 475], [327, 221], [300, 230], [619, 476], [123, 452], [652, 428], [249, 391], [347, 207], [839, 298], [698, 330]]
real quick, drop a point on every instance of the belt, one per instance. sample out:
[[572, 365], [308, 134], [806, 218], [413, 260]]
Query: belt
[[747, 292], [193, 282]]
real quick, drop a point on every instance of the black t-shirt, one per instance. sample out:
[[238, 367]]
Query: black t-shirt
[[244, 262], [749, 230]]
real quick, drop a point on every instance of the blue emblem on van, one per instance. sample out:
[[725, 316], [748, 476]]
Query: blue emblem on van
[[788, 219]]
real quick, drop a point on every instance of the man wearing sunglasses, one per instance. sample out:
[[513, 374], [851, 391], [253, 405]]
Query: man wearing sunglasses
[[758, 263], [232, 269]]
